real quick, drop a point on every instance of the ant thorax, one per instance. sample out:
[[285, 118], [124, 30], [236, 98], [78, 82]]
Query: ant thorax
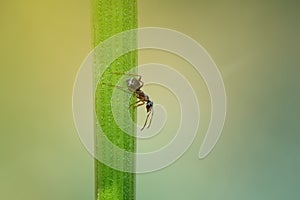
[[141, 95], [133, 84]]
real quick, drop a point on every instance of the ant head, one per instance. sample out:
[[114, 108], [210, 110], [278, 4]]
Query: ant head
[[133, 84], [149, 105]]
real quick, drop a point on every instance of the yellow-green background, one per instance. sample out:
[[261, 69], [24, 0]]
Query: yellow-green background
[[256, 47]]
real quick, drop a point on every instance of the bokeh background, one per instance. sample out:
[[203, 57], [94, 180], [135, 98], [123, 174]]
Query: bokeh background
[[256, 46]]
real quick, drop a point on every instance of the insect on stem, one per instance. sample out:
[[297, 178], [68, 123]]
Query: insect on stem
[[134, 85]]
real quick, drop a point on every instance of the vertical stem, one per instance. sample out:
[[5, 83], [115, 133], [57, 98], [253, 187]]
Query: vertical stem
[[110, 17]]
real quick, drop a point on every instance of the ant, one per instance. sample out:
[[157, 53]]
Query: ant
[[134, 85]]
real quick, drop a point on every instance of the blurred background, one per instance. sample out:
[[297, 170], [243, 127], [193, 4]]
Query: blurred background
[[256, 46]]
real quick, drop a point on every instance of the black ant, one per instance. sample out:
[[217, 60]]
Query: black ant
[[134, 85]]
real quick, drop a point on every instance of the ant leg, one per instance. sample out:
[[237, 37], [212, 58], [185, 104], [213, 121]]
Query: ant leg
[[139, 76], [140, 104], [146, 121], [152, 111], [118, 86], [134, 103], [129, 74]]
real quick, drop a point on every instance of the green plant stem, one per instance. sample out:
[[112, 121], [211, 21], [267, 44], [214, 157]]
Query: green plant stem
[[110, 17]]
